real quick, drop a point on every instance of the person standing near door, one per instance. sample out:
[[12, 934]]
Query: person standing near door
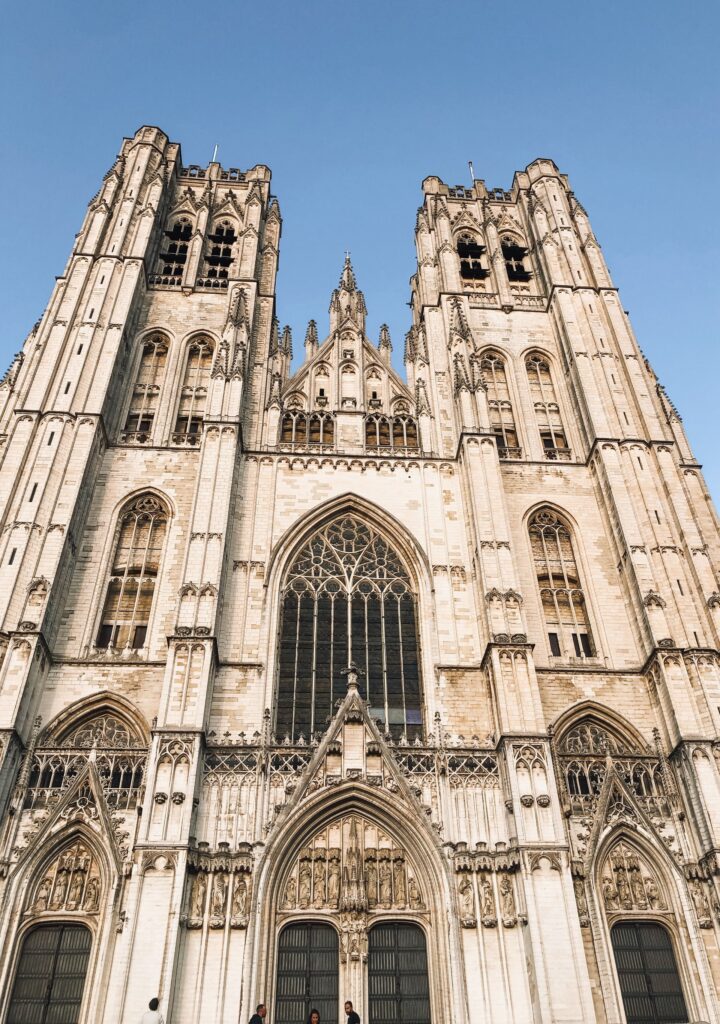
[[152, 1015], [352, 1016], [259, 1016]]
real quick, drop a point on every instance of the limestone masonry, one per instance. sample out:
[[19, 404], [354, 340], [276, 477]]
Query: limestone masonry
[[330, 684]]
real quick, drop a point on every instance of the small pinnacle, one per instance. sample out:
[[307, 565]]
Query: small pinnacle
[[347, 278], [384, 337], [286, 344], [311, 334]]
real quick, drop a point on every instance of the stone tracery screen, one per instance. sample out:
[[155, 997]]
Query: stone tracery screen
[[348, 597]]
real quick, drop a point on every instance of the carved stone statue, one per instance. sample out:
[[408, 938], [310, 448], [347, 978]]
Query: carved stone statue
[[702, 907], [653, 894], [371, 879], [609, 892], [467, 901], [305, 884], [399, 881], [92, 896], [290, 893], [197, 902], [623, 889], [60, 891], [319, 880], [333, 887], [43, 895], [414, 897], [239, 897], [487, 902], [638, 890], [507, 900], [385, 884], [219, 896], [76, 891], [581, 900]]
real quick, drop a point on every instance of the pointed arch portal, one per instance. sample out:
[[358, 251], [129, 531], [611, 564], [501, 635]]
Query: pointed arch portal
[[348, 597], [50, 976]]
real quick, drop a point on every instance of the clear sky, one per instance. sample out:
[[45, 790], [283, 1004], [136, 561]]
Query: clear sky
[[352, 105]]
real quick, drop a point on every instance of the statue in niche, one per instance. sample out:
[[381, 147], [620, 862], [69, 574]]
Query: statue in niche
[[385, 883], [239, 898], [653, 894], [487, 901], [399, 880], [581, 900], [305, 884], [76, 891], [700, 900], [197, 900], [43, 895], [609, 892], [507, 900], [219, 896], [319, 879], [467, 902], [92, 896], [371, 879], [414, 897], [333, 888], [290, 893], [638, 889], [623, 889], [60, 891]]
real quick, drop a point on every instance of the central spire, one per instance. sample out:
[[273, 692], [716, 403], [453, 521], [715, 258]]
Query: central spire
[[347, 305]]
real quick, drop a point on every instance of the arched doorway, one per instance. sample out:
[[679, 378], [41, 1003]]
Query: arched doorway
[[648, 974], [307, 973], [398, 987], [50, 976]]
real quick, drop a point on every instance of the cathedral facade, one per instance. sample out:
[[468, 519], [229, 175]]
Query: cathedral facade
[[323, 684]]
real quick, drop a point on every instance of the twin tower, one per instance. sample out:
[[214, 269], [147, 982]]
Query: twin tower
[[318, 683]]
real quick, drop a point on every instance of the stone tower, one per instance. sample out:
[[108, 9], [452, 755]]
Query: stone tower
[[318, 683]]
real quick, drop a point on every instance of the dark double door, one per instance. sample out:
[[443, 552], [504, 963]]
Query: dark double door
[[648, 974], [50, 976], [308, 967]]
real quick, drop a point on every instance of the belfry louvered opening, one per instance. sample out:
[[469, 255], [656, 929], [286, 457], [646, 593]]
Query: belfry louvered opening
[[348, 598]]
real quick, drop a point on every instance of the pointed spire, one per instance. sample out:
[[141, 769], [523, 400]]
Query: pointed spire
[[286, 343], [384, 344], [311, 340], [347, 278]]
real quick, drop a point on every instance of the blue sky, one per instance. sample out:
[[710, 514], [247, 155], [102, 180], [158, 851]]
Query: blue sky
[[352, 105]]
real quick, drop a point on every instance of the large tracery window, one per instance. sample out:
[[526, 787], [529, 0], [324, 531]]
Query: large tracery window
[[219, 254], [191, 410], [174, 257], [547, 410], [563, 601], [514, 255], [133, 574], [502, 421], [146, 392], [348, 598], [471, 259]]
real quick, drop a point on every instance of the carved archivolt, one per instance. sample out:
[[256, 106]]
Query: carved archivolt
[[352, 866], [71, 883], [627, 882]]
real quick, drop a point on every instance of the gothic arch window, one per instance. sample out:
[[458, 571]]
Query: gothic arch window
[[648, 974], [193, 394], [471, 253], [173, 256], [391, 432], [133, 574], [146, 390], [220, 253], [561, 593], [515, 256], [301, 428], [348, 597], [547, 410], [502, 420]]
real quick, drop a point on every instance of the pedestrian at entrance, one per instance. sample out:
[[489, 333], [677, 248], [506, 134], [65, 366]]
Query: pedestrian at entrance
[[352, 1017], [314, 1017], [153, 1015], [259, 1015]]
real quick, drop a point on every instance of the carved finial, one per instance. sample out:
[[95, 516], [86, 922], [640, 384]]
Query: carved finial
[[384, 344], [353, 673], [347, 278], [311, 340]]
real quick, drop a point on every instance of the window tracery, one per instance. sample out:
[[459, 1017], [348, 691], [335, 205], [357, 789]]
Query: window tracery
[[146, 390], [174, 257], [561, 593], [193, 396], [502, 420], [348, 598], [471, 253], [299, 428], [133, 574], [219, 255], [390, 433], [515, 255], [547, 410]]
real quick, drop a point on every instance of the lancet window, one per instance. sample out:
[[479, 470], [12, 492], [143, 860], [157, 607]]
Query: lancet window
[[563, 601], [390, 432], [146, 390], [133, 575], [193, 396], [173, 256], [547, 410], [515, 256], [219, 257], [301, 428], [502, 420], [472, 265], [348, 598]]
